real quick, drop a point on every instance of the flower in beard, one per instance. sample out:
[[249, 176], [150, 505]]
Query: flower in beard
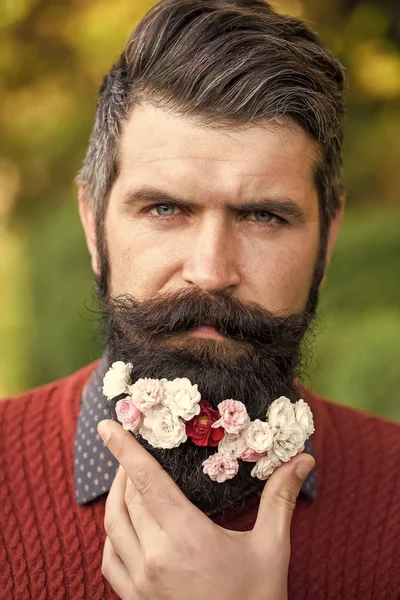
[[266, 465], [232, 444], [128, 414], [162, 429], [234, 417], [288, 436], [200, 430], [116, 379], [147, 393], [281, 412], [304, 417], [258, 436], [220, 467], [149, 436], [250, 455], [182, 398], [288, 441]]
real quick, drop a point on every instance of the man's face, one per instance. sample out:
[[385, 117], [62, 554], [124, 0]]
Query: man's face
[[210, 226], [246, 219]]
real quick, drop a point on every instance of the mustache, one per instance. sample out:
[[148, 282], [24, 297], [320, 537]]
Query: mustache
[[184, 310]]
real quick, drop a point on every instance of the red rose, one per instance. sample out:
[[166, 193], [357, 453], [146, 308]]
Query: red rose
[[199, 428]]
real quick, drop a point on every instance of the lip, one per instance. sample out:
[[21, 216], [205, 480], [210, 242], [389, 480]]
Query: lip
[[205, 331]]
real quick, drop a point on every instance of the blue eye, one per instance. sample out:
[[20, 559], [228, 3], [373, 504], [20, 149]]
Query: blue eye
[[164, 210], [264, 216]]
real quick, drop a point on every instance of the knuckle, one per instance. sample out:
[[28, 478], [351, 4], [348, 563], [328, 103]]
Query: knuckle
[[109, 525], [167, 495], [143, 482], [154, 568], [131, 494], [285, 499]]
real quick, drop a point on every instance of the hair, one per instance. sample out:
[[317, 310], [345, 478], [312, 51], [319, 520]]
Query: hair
[[225, 63]]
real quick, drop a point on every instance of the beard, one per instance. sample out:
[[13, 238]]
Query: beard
[[257, 361]]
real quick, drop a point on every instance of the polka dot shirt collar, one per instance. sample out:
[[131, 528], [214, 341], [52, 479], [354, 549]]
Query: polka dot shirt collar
[[94, 465]]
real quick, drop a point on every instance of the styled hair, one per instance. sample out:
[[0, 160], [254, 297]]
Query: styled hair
[[224, 63]]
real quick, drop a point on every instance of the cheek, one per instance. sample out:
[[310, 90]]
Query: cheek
[[141, 263], [281, 274]]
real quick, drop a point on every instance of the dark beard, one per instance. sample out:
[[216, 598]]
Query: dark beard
[[256, 363]]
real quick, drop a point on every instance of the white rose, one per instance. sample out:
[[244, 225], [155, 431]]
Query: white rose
[[182, 398], [162, 429], [288, 441], [281, 413], [232, 444], [304, 417], [266, 466], [116, 379], [258, 436], [151, 415], [150, 436]]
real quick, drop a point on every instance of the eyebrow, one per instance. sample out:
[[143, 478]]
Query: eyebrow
[[283, 206]]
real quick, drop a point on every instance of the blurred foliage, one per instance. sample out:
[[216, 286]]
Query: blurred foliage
[[53, 54]]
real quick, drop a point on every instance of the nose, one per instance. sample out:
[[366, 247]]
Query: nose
[[212, 262]]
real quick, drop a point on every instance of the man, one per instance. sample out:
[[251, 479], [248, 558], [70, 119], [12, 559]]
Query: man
[[210, 198]]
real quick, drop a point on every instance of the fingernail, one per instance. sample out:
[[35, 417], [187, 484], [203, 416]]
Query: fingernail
[[104, 431], [303, 468]]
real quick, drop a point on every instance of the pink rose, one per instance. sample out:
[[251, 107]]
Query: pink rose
[[234, 417], [220, 467], [250, 455], [128, 414]]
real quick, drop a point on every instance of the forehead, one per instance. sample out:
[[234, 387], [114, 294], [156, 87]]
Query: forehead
[[215, 163]]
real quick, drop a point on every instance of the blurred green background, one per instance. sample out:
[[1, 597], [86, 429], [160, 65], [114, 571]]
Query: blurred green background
[[53, 55]]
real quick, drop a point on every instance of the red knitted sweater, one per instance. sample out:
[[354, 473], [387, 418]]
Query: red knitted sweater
[[345, 545]]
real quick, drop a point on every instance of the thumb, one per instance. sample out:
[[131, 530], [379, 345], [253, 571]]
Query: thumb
[[280, 494]]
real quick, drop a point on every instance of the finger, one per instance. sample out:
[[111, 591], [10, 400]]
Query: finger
[[146, 525], [114, 570], [118, 525], [279, 498], [158, 491]]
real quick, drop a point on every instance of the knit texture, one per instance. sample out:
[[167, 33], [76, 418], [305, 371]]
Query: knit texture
[[345, 544]]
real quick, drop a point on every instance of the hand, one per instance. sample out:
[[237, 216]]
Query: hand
[[159, 546]]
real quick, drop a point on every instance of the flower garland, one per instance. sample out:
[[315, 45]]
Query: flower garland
[[167, 413]]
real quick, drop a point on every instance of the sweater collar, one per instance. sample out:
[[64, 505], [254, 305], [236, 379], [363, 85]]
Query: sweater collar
[[94, 465]]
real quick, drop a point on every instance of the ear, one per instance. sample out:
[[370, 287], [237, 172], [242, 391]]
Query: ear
[[333, 231], [89, 226]]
